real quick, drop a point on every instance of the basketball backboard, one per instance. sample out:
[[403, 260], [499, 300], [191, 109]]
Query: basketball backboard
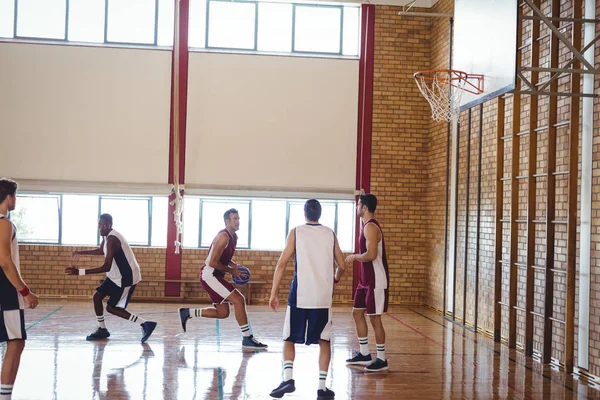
[[485, 42]]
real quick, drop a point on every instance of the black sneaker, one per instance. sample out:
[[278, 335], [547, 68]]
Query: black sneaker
[[377, 365], [360, 359], [101, 333], [249, 342], [283, 388], [147, 329], [184, 316], [325, 394]]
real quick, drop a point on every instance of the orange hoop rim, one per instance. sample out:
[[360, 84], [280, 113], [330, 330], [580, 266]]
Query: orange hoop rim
[[453, 76]]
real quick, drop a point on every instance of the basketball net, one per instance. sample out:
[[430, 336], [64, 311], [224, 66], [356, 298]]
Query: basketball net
[[443, 89], [177, 188]]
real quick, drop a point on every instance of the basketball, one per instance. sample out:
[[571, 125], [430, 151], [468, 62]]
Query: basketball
[[243, 278]]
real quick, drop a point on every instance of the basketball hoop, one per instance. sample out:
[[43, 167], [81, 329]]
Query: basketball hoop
[[436, 86]]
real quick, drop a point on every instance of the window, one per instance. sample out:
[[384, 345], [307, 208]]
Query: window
[[317, 29], [41, 19], [80, 220], [275, 27], [72, 219], [160, 218], [268, 228], [37, 219], [86, 21], [261, 26], [191, 222], [131, 217], [131, 21], [231, 24], [212, 220], [7, 18], [197, 25]]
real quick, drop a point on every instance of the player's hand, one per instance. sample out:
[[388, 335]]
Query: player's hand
[[274, 303], [71, 270], [235, 271], [31, 300], [350, 259], [75, 254]]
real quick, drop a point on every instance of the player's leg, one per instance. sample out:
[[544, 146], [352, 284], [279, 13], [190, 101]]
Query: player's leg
[[218, 290], [117, 305], [361, 357], [102, 291], [375, 311], [319, 327], [241, 316], [294, 331], [10, 367]]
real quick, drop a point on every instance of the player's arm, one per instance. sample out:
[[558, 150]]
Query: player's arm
[[214, 257], [286, 254], [9, 268], [372, 235], [112, 246], [339, 260], [95, 252]]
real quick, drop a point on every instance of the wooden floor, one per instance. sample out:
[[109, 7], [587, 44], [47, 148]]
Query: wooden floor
[[429, 358]]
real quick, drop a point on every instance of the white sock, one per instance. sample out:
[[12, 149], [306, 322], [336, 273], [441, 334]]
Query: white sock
[[135, 319], [100, 319], [381, 351], [245, 330], [364, 345], [288, 370], [322, 379], [196, 313], [6, 391]]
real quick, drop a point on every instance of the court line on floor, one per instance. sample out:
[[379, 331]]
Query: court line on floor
[[494, 350], [42, 319], [453, 354]]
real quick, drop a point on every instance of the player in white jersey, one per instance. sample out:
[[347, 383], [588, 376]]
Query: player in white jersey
[[308, 318], [14, 293], [122, 274]]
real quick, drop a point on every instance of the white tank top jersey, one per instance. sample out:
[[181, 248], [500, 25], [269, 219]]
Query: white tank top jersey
[[125, 270], [312, 287], [14, 246]]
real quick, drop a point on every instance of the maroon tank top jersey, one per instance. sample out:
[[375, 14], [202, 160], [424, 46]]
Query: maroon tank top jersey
[[373, 273], [227, 253]]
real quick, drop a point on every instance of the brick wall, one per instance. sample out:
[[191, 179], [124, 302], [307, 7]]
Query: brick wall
[[436, 203], [42, 268], [399, 153]]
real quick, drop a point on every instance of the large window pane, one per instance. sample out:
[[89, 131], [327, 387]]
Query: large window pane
[[268, 233], [274, 27], [7, 18], [351, 31], [346, 223], [318, 29], [231, 25], [41, 18], [36, 218], [166, 21], [328, 215], [130, 217], [212, 220], [191, 222], [80, 220], [86, 21], [197, 24], [131, 21], [160, 218], [297, 215]]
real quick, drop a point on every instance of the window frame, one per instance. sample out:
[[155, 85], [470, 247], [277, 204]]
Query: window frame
[[202, 199], [65, 32], [341, 30], [207, 26]]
